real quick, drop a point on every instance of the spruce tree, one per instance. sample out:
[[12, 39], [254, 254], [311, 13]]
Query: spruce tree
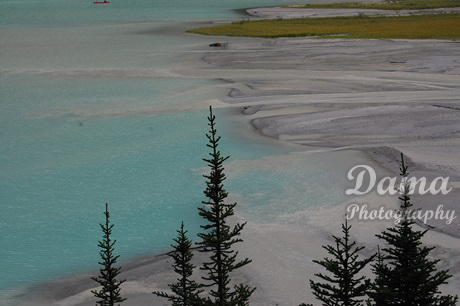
[[110, 293], [218, 237], [343, 287], [186, 291], [404, 274]]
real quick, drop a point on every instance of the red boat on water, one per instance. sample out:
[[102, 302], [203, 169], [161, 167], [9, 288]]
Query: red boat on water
[[101, 2]]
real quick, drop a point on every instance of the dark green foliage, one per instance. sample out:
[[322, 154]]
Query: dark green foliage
[[186, 291], [110, 291], [343, 287], [219, 237], [379, 291], [404, 273]]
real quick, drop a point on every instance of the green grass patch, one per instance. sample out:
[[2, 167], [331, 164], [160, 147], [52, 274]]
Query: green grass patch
[[387, 5], [440, 26]]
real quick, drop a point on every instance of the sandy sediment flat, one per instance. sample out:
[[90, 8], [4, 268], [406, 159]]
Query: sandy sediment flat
[[292, 12], [366, 99], [379, 96]]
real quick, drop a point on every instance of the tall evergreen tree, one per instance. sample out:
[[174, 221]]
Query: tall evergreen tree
[[110, 293], [344, 287], [404, 273], [186, 291], [219, 238]]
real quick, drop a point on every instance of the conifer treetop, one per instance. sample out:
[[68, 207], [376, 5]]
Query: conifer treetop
[[343, 286], [218, 237], [110, 293], [185, 291], [405, 274]]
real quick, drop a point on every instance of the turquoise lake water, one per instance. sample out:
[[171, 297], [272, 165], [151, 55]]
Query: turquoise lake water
[[89, 115]]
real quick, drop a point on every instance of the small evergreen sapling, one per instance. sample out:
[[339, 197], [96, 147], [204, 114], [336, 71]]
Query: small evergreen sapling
[[186, 291], [404, 273], [110, 293], [218, 237], [344, 287]]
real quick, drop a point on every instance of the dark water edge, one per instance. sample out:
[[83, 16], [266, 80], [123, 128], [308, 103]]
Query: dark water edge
[[242, 11]]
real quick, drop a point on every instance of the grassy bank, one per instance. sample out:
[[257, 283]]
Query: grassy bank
[[445, 26], [387, 5]]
